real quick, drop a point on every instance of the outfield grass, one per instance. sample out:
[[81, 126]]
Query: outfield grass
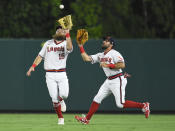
[[99, 122]]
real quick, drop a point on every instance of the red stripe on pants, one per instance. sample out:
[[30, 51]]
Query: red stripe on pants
[[120, 90]]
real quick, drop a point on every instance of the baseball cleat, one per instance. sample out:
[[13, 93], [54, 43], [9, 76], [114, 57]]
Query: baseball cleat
[[146, 109], [63, 106], [60, 121], [82, 120]]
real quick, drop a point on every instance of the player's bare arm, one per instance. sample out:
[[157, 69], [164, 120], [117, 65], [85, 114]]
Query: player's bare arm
[[68, 39], [84, 55], [36, 62], [119, 65]]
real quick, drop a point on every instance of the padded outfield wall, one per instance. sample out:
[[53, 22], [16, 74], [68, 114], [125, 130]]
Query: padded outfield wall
[[150, 62]]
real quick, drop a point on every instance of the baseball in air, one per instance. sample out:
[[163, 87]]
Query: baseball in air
[[61, 6]]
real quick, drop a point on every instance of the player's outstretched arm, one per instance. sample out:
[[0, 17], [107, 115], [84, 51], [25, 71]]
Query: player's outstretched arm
[[68, 39], [36, 62], [119, 65], [84, 55]]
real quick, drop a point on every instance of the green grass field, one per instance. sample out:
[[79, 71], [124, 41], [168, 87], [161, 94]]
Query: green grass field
[[99, 122]]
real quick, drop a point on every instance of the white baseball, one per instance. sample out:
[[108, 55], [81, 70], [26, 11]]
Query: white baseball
[[61, 6]]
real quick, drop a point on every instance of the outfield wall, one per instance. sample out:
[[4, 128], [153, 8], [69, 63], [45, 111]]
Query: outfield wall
[[150, 62]]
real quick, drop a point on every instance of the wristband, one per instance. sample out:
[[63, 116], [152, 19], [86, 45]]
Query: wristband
[[34, 65], [67, 35], [82, 49], [112, 66]]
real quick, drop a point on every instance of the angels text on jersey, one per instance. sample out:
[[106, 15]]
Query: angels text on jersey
[[59, 50]]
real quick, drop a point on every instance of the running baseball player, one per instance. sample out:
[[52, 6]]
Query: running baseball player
[[55, 53], [112, 63]]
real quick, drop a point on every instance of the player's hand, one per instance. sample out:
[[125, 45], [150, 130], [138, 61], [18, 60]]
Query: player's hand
[[126, 75], [66, 31], [30, 70], [79, 45], [103, 65]]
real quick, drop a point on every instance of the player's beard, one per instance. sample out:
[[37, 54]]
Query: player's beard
[[58, 37], [104, 47]]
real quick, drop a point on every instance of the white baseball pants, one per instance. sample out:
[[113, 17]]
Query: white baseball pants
[[116, 87], [57, 84]]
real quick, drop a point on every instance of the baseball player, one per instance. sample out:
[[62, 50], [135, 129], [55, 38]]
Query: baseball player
[[55, 53], [112, 63]]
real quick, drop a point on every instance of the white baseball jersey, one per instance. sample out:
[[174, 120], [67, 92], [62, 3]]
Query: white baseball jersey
[[110, 57], [54, 54]]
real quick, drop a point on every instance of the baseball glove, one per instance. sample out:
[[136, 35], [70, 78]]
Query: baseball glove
[[66, 22], [82, 36]]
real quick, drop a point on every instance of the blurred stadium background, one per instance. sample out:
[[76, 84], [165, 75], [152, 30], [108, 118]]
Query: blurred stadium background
[[143, 29]]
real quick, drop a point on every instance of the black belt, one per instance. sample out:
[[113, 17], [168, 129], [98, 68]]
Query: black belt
[[55, 70], [115, 76]]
